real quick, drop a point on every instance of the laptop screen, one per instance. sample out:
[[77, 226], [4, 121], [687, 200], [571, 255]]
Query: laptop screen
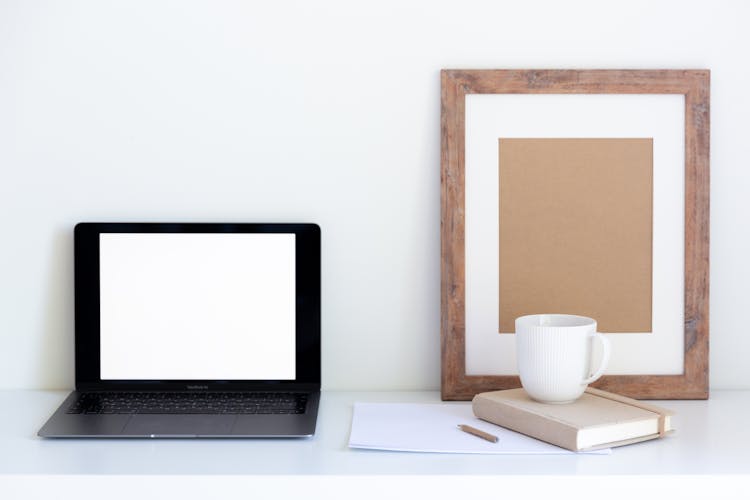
[[197, 306], [190, 305]]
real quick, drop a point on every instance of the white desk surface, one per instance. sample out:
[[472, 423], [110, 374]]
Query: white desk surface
[[708, 453], [712, 437]]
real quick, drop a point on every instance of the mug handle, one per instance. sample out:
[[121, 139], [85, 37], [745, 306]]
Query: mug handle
[[605, 359]]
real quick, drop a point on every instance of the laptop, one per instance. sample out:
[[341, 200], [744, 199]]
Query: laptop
[[194, 330]]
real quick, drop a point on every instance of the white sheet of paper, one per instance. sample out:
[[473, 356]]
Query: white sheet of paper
[[433, 428]]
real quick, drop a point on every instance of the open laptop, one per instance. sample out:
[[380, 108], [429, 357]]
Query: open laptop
[[194, 330]]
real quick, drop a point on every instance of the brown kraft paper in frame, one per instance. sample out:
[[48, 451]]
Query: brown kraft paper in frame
[[575, 219]]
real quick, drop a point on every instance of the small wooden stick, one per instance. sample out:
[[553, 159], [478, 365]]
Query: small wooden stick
[[476, 432]]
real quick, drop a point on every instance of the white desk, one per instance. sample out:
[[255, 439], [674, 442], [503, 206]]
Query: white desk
[[712, 438]]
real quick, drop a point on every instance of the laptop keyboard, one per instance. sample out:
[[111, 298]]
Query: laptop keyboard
[[190, 403]]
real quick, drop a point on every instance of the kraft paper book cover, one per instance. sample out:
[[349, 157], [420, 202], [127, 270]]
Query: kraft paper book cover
[[598, 419]]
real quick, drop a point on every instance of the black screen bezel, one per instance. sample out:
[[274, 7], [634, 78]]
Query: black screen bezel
[[87, 310]]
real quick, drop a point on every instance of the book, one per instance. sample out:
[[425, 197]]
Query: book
[[598, 419]]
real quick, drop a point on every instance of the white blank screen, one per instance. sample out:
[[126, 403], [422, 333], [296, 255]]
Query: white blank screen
[[208, 306]]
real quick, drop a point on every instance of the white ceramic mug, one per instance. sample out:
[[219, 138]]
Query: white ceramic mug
[[554, 355]]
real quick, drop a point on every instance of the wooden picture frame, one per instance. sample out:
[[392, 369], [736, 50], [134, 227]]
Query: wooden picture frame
[[692, 383]]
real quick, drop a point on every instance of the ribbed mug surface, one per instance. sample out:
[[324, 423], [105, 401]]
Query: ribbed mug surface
[[554, 355]]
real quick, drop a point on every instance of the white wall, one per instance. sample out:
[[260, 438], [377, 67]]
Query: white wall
[[324, 111]]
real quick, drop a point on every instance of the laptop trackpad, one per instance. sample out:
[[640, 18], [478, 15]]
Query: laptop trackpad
[[179, 425]]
